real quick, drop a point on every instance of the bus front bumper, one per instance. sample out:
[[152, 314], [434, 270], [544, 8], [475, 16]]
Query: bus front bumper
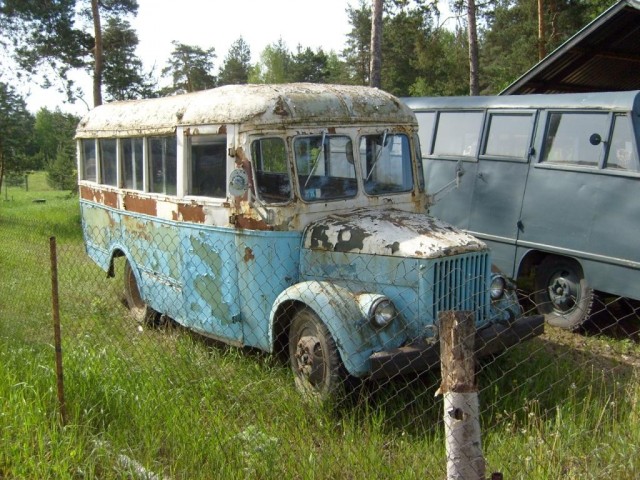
[[422, 356]]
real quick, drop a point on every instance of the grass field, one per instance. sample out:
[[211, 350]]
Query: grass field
[[163, 403]]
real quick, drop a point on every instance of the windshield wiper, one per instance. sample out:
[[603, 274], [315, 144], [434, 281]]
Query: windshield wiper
[[317, 160], [375, 160]]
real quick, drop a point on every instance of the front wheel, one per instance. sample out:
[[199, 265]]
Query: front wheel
[[562, 294], [139, 309], [314, 358]]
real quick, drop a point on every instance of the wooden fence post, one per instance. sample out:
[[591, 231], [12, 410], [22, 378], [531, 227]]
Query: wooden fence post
[[461, 409]]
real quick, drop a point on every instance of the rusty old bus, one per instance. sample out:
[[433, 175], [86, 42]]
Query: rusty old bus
[[548, 184], [286, 216]]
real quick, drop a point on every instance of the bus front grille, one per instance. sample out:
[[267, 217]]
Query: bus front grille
[[462, 283]]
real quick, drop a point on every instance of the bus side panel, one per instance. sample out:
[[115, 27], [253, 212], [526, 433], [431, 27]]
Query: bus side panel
[[496, 205], [452, 206], [601, 207], [101, 230], [210, 277], [588, 216], [268, 263], [154, 248]]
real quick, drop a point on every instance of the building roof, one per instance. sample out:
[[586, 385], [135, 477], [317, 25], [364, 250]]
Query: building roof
[[603, 56]]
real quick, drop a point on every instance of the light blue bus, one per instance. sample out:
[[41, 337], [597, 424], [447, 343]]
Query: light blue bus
[[548, 181], [286, 217]]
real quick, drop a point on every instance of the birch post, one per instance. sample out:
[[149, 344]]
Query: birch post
[[461, 409]]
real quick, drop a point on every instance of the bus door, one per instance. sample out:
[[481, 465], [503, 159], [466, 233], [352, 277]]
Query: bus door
[[500, 183], [450, 141]]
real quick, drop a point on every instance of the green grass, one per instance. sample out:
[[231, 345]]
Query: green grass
[[184, 407]]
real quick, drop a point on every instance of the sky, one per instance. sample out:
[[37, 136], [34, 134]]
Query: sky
[[216, 23]]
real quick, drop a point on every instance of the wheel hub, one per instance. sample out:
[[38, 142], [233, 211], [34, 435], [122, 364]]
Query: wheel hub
[[309, 361], [562, 292]]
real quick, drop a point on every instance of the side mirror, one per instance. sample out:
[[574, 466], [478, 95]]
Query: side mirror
[[595, 139]]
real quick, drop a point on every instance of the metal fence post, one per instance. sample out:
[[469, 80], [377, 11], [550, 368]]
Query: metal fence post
[[461, 409], [56, 328]]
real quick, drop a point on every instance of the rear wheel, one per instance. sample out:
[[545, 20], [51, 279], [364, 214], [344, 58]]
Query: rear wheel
[[314, 358], [562, 294], [140, 311]]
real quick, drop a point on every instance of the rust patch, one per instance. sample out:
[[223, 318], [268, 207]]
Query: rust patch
[[134, 203], [110, 199], [248, 223], [222, 130], [87, 193], [248, 255], [190, 213], [280, 108]]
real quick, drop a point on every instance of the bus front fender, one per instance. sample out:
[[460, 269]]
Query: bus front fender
[[345, 315]]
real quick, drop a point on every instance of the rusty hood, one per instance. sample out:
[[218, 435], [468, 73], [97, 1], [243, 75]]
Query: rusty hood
[[389, 232]]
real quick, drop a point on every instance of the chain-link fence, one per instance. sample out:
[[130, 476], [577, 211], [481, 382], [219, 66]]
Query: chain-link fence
[[148, 397]]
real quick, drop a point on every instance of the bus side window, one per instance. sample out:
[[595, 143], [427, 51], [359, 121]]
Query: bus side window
[[426, 121], [163, 164], [88, 162], [208, 166], [132, 163], [622, 153], [509, 135], [458, 133], [567, 138], [108, 161]]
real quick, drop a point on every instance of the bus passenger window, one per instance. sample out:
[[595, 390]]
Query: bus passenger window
[[457, 133], [162, 165], [509, 135], [622, 153], [132, 163], [108, 162], [567, 138], [426, 120], [269, 159], [88, 167], [209, 166]]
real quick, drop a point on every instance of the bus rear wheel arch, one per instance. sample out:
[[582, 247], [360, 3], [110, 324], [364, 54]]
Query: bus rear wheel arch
[[562, 293], [138, 308], [314, 357]]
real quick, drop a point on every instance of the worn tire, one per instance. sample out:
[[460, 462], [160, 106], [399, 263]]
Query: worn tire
[[138, 308], [562, 294], [314, 358]]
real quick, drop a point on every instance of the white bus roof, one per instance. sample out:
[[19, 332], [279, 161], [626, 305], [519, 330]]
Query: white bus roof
[[259, 105]]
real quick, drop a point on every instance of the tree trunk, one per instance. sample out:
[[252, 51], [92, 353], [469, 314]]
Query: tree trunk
[[1, 168], [474, 87], [542, 52], [97, 55], [375, 66]]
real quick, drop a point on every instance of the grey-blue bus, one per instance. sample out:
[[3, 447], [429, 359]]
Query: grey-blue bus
[[548, 182]]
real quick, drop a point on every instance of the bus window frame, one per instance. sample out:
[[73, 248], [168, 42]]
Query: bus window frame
[[545, 116], [486, 129], [473, 157], [609, 147], [204, 139]]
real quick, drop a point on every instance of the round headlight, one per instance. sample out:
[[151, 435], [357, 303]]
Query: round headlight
[[497, 287], [382, 313]]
